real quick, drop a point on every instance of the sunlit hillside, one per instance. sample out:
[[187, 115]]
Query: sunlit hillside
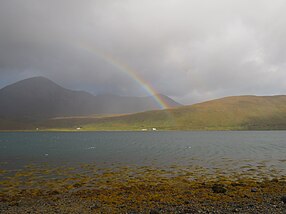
[[230, 113]]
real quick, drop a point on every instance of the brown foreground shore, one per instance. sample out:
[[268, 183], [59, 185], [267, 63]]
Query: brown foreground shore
[[90, 189]]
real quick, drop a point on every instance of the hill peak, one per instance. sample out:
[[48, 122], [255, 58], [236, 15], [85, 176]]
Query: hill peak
[[38, 83], [36, 79]]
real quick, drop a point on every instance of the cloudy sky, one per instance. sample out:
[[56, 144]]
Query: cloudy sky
[[186, 49]]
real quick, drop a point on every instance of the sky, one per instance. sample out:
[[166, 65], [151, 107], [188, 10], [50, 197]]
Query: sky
[[189, 50]]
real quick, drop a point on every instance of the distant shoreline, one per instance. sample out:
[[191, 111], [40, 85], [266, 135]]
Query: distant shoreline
[[194, 130]]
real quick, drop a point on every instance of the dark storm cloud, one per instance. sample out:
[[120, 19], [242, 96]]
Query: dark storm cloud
[[190, 50]]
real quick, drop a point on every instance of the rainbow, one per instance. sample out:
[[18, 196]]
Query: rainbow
[[131, 73]]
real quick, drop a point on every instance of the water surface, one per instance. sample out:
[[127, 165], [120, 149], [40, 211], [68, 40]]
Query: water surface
[[210, 149]]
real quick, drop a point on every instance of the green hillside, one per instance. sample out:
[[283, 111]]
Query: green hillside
[[230, 113]]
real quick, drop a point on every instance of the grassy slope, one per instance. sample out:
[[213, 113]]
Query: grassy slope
[[230, 113]]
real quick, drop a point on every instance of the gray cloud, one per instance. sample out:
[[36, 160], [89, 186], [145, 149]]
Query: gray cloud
[[189, 50]]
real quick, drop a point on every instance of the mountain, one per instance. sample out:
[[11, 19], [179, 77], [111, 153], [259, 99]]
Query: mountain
[[229, 113], [39, 98], [22, 104]]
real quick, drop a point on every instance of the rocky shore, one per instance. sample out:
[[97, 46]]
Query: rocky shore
[[89, 189]]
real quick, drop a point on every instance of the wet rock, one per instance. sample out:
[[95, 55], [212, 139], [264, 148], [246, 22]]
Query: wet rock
[[254, 189], [154, 211], [77, 185], [132, 212], [283, 199], [235, 184], [96, 205], [188, 192], [55, 192], [251, 206], [187, 202], [50, 203], [236, 210], [14, 203], [121, 206], [218, 188]]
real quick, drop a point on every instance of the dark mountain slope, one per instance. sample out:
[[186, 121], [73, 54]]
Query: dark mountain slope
[[39, 97]]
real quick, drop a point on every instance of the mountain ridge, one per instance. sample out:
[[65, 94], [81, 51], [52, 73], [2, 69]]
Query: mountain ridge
[[40, 97]]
